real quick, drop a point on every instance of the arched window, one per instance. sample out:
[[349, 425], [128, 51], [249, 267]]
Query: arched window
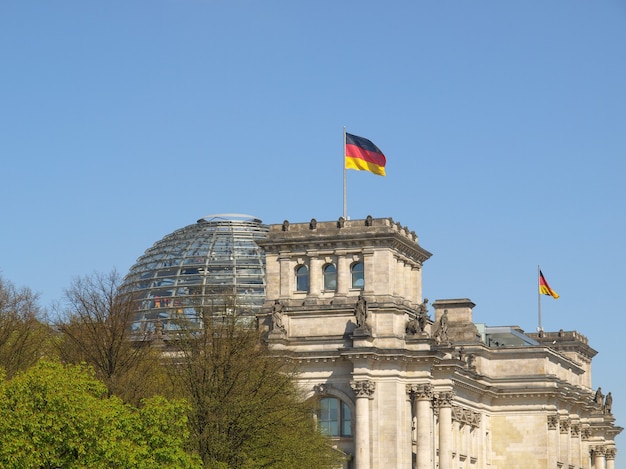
[[330, 277], [335, 418], [302, 278], [356, 270]]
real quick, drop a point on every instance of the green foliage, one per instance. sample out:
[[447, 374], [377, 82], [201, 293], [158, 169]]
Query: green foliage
[[96, 329], [24, 338], [245, 409], [54, 416]]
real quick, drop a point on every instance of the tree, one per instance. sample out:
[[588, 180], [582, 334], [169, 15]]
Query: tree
[[246, 411], [96, 329], [24, 337], [54, 416]]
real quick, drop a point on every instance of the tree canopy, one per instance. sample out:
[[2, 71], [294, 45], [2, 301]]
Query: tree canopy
[[24, 337], [54, 416], [246, 411]]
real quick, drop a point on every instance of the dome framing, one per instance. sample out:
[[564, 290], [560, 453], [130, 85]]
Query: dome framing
[[214, 265]]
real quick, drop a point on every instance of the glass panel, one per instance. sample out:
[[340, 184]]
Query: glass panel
[[346, 422], [302, 278], [329, 416], [357, 275], [330, 277]]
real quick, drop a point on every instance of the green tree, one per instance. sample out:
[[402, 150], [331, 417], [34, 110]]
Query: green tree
[[54, 416], [246, 411], [24, 336], [96, 329]]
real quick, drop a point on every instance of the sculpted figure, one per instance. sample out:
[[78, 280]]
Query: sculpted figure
[[277, 317], [608, 403], [442, 330], [422, 315], [412, 326], [360, 311], [598, 399]]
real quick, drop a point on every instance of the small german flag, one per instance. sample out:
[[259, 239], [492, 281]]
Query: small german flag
[[363, 155], [545, 289]]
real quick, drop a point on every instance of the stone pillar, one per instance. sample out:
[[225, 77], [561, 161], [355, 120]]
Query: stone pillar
[[574, 454], [444, 401], [599, 453], [364, 390], [610, 458], [315, 276], [398, 282], [287, 276], [553, 440], [343, 275], [564, 441], [422, 395]]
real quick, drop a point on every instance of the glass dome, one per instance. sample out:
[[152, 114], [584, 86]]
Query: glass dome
[[214, 265]]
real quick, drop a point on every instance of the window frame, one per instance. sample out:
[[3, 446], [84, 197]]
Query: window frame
[[343, 422], [353, 283], [326, 275], [302, 274]]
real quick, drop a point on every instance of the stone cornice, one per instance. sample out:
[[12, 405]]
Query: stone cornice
[[298, 238]]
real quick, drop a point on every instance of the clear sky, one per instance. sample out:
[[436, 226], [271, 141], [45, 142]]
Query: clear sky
[[503, 123]]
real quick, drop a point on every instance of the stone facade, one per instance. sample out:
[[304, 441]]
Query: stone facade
[[398, 389]]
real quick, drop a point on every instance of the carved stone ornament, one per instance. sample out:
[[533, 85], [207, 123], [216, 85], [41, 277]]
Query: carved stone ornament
[[363, 388], [420, 391], [585, 432], [553, 422], [610, 453], [599, 450], [575, 430], [466, 416], [321, 389], [564, 425], [444, 399]]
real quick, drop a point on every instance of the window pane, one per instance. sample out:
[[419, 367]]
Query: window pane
[[329, 416], [302, 278], [346, 423], [330, 277], [357, 275]]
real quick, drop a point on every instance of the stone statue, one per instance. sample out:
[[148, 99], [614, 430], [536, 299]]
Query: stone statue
[[422, 315], [441, 335], [360, 311], [461, 354], [599, 397], [412, 326], [608, 403], [277, 317]]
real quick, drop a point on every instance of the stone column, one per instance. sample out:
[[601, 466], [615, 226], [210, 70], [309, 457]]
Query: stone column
[[610, 458], [422, 395], [364, 390], [343, 275], [564, 441], [444, 401], [599, 453], [286, 276], [574, 454], [553, 440], [315, 276]]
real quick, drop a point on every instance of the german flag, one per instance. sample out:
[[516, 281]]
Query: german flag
[[545, 289], [363, 155]]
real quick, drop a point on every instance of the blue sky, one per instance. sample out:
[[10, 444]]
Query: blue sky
[[503, 123]]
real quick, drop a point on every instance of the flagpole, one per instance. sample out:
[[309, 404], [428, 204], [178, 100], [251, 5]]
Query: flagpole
[[343, 160], [539, 327]]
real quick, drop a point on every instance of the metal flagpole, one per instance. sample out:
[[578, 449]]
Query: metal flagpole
[[539, 327], [343, 159]]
